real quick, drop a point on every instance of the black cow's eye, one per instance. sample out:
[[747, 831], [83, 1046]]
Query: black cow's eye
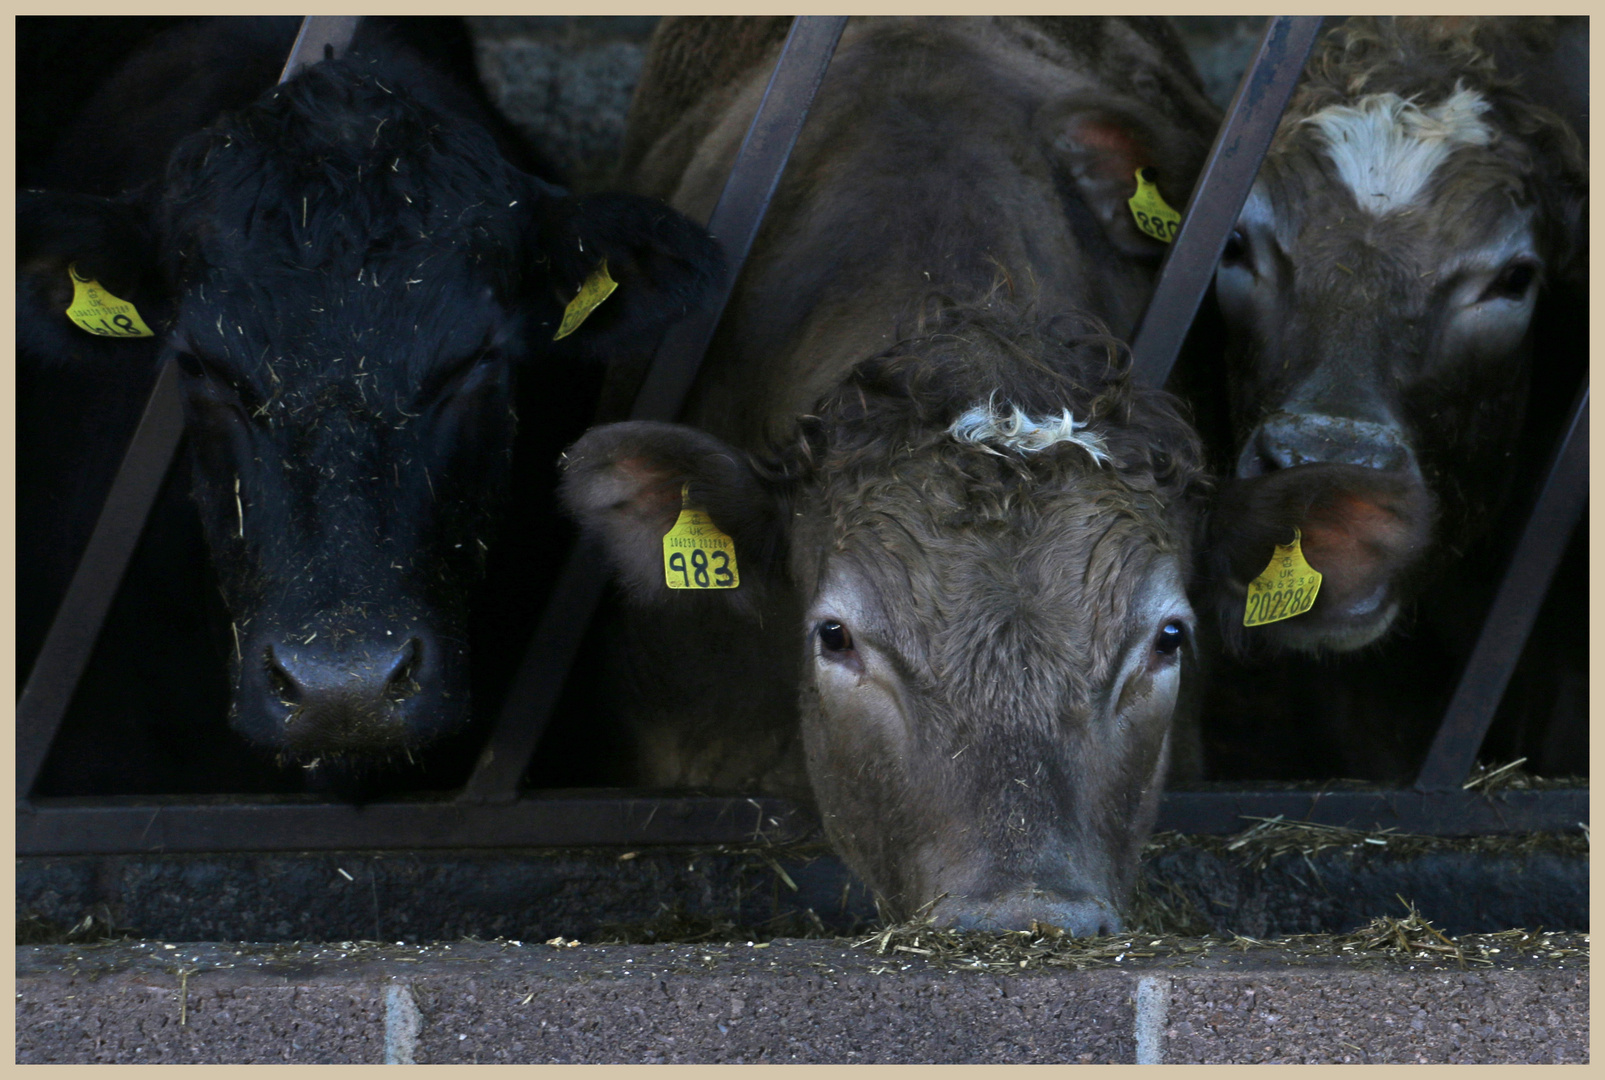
[[446, 377], [834, 637], [1513, 281], [216, 383], [1236, 251], [189, 364], [1172, 636]]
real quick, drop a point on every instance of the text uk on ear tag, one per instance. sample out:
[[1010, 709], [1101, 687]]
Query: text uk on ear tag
[[696, 555], [598, 287], [99, 312], [1150, 210], [1286, 587]]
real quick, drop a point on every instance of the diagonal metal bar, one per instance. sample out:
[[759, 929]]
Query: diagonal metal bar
[[77, 625], [1218, 196], [1510, 620], [735, 221], [65, 653], [318, 33]]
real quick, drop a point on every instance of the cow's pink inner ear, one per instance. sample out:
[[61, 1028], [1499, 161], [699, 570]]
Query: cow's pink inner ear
[[1357, 544], [1116, 154], [654, 496]]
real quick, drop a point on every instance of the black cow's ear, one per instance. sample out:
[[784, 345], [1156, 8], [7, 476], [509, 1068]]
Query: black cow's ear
[[1103, 147], [664, 266], [624, 484], [109, 241]]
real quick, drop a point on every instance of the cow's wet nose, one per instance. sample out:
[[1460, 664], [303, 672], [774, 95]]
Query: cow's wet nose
[[358, 694], [1082, 916], [1288, 439]]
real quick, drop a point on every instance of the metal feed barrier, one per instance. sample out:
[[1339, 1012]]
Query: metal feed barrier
[[490, 811]]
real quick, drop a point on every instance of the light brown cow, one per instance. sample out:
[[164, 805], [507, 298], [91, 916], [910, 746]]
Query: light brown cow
[[961, 532]]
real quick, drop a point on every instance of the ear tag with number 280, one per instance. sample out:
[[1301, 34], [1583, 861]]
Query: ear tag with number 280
[[696, 555], [598, 287], [97, 311], [1150, 211], [1285, 588]]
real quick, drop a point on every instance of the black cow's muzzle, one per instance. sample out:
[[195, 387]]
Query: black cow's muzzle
[[1285, 440], [368, 695]]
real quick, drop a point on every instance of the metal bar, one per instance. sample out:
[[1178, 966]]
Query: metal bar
[[76, 627], [318, 33], [589, 819], [639, 819], [1218, 196], [1424, 813], [1510, 619], [736, 218]]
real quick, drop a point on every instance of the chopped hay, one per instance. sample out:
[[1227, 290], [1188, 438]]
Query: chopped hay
[[1386, 938]]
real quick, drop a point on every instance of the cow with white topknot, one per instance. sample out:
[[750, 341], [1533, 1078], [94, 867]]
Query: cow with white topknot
[[1379, 294], [954, 615]]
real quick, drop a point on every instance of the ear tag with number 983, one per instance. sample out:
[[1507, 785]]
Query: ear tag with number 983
[[1150, 211], [1285, 588], [97, 311], [696, 555]]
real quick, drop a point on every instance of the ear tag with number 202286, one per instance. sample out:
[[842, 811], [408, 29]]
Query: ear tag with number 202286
[[1285, 588], [98, 312], [1150, 211], [696, 555]]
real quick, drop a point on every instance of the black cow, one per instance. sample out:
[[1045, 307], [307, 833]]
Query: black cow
[[362, 293]]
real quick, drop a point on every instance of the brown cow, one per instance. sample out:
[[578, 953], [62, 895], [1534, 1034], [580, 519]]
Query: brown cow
[[1379, 294], [961, 532]]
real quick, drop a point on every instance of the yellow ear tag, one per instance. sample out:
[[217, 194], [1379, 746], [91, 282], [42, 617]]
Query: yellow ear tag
[[99, 312], [1285, 588], [1150, 210], [597, 287], [696, 555]]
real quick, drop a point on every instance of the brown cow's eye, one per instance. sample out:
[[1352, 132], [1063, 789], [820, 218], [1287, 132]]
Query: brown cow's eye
[[1172, 636], [1236, 250], [834, 637], [1512, 282]]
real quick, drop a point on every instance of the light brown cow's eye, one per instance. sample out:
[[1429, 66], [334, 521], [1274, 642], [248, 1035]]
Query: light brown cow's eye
[[834, 637], [1172, 636]]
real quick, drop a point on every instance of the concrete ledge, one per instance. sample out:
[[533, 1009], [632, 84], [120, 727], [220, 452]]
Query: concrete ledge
[[802, 1001]]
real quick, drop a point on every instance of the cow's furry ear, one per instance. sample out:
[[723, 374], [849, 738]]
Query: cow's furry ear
[[108, 240], [664, 265], [623, 483], [1102, 146]]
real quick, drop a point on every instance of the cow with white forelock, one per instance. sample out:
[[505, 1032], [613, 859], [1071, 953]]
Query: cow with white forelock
[[1379, 294], [962, 532]]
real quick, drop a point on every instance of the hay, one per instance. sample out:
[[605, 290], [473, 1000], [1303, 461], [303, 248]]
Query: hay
[[1411, 939]]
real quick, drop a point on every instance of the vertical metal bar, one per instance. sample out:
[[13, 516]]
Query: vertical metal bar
[[77, 625], [736, 218], [319, 32], [65, 653], [1510, 619], [1218, 197]]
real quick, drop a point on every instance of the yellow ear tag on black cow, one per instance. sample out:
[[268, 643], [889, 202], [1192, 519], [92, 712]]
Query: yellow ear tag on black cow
[[598, 287], [1150, 210], [696, 555], [99, 312], [1285, 588]]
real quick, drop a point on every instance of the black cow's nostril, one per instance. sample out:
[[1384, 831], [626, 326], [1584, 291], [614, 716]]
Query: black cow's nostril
[[402, 681], [279, 680]]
